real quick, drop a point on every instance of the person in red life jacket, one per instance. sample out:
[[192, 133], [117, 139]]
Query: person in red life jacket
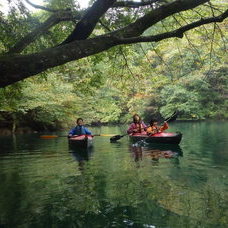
[[138, 126], [154, 128], [79, 129]]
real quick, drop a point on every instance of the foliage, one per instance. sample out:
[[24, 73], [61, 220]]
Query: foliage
[[41, 100], [188, 74]]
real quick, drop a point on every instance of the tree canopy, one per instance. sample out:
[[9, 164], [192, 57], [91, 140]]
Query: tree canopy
[[34, 43], [148, 78]]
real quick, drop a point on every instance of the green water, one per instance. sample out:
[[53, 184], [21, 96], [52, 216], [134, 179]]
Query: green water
[[44, 183]]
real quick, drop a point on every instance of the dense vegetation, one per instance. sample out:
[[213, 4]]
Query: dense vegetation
[[188, 74]]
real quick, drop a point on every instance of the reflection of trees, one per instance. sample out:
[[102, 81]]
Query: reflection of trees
[[47, 190], [123, 196], [12, 194]]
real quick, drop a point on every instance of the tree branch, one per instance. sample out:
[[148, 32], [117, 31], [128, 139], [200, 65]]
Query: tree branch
[[15, 67], [195, 49], [104, 26], [156, 15], [88, 22], [133, 4], [54, 19], [41, 7], [176, 33]]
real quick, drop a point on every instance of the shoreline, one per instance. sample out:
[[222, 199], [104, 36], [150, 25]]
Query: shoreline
[[7, 131]]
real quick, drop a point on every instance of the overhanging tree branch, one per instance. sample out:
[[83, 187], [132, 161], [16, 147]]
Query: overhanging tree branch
[[176, 33], [41, 7], [15, 67], [57, 17], [88, 22], [195, 49], [134, 4], [156, 15]]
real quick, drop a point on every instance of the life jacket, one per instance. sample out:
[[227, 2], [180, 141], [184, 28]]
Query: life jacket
[[153, 129], [157, 129], [139, 127], [79, 130]]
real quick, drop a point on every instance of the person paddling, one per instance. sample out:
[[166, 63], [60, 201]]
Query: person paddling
[[79, 129], [154, 128], [138, 126]]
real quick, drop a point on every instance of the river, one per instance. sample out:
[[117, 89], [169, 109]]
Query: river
[[44, 183]]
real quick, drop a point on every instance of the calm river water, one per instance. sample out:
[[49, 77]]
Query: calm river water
[[44, 183]]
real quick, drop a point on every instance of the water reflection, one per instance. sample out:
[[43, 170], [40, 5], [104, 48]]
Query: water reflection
[[81, 155], [112, 191], [155, 152]]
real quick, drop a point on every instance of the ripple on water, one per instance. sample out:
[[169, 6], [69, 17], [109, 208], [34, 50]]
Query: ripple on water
[[118, 184]]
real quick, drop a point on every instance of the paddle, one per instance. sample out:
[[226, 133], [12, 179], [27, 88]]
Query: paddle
[[57, 136], [169, 119], [173, 117], [116, 137]]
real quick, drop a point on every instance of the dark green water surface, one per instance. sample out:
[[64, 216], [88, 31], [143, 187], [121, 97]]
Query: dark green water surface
[[44, 183]]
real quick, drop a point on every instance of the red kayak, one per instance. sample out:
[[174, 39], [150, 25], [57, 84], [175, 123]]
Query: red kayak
[[82, 141], [163, 137]]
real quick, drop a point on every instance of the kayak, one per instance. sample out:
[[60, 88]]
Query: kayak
[[82, 141], [162, 137]]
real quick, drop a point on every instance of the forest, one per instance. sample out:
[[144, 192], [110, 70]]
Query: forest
[[145, 57]]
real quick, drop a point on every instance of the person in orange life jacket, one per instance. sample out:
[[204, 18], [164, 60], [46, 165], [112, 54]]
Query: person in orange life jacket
[[79, 129], [154, 128], [138, 126]]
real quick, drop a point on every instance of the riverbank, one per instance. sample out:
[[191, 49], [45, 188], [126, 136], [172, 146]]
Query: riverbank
[[28, 129]]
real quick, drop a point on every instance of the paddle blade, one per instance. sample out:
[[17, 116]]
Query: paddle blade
[[115, 138]]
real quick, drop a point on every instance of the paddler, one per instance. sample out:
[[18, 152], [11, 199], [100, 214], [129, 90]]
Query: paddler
[[154, 128], [79, 129], [138, 126]]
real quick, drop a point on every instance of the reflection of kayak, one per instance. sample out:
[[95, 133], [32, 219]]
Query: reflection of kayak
[[173, 148], [82, 141], [155, 151], [163, 137], [160, 154]]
